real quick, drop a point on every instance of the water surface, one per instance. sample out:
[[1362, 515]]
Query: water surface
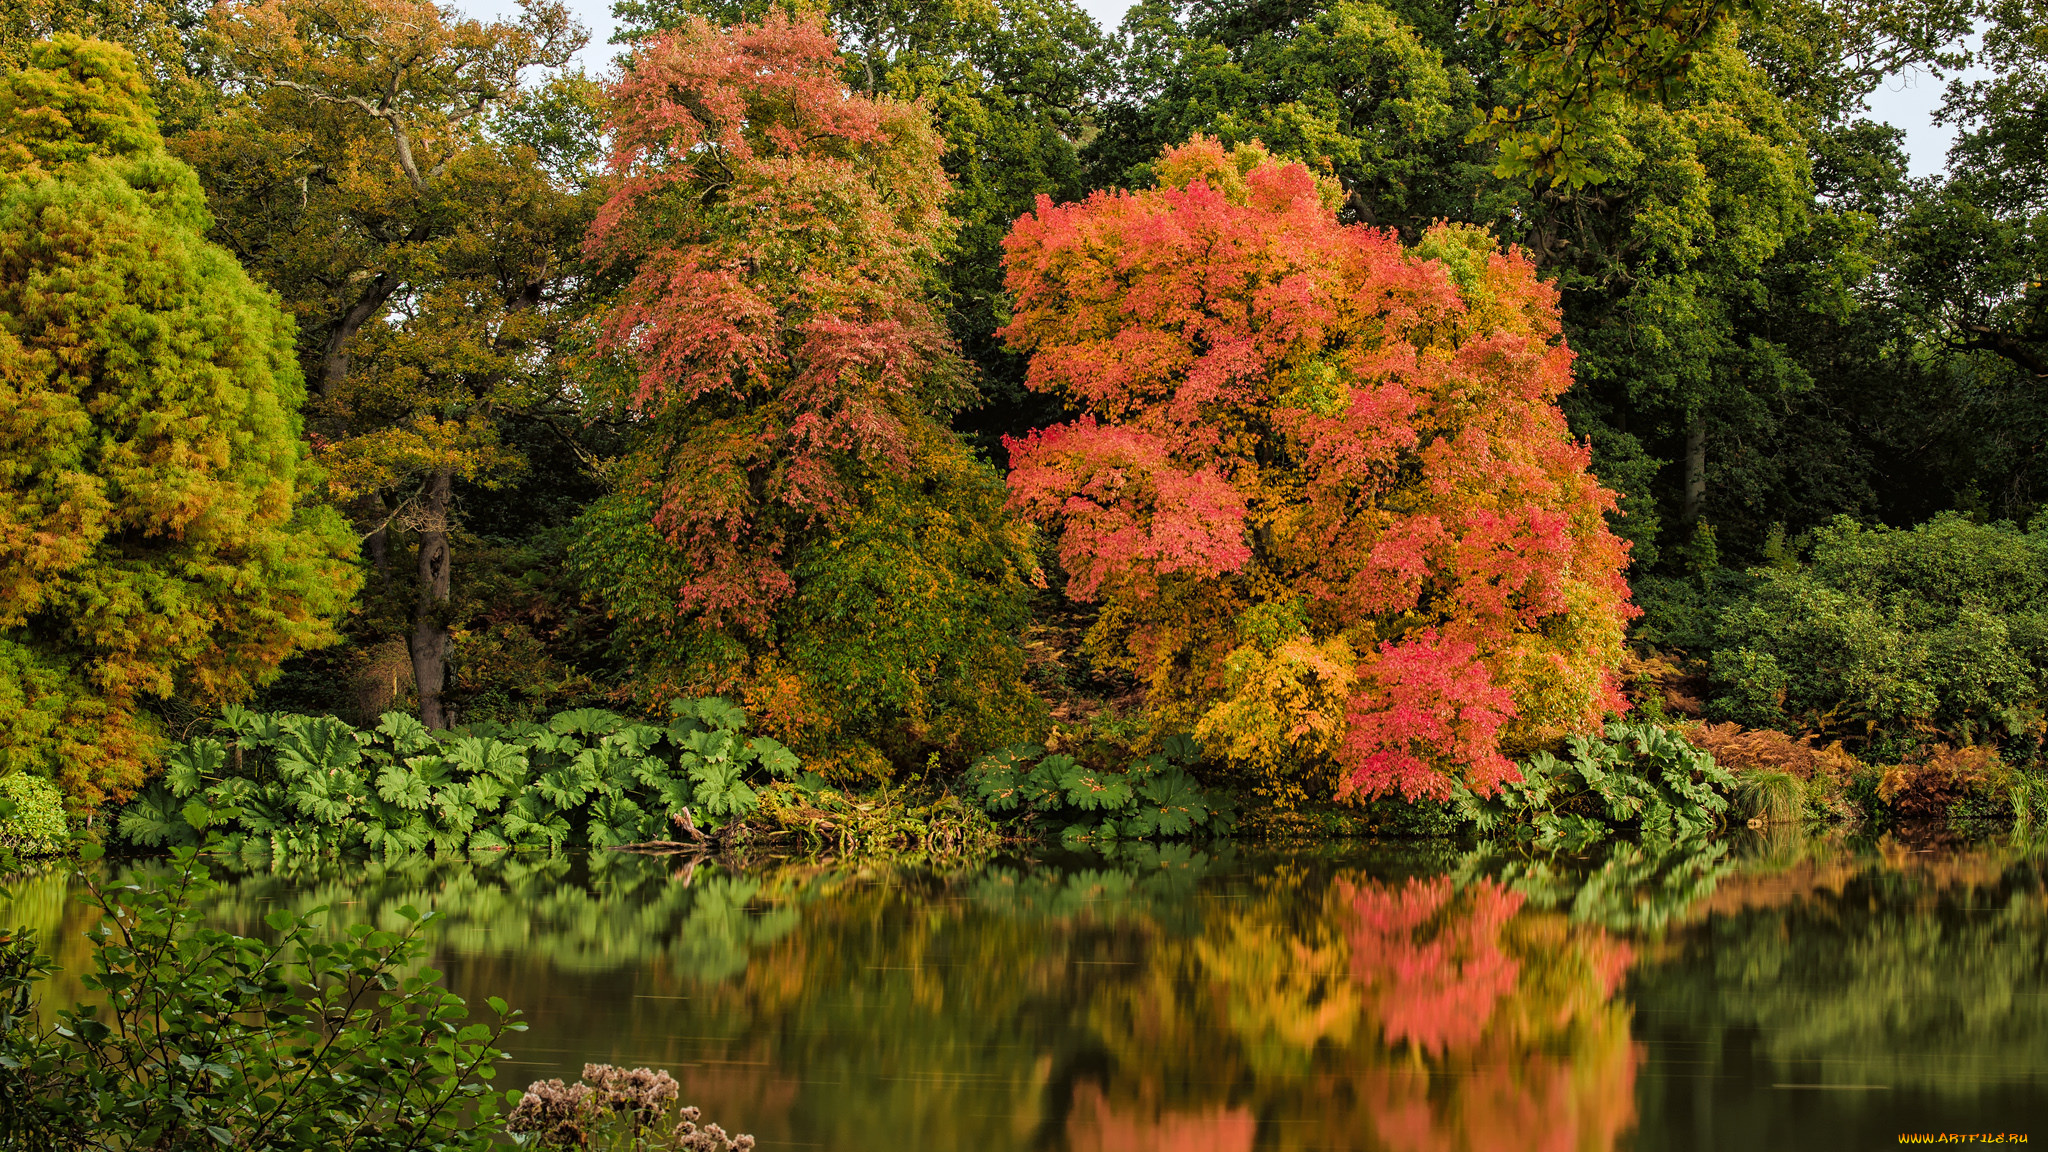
[[1785, 994]]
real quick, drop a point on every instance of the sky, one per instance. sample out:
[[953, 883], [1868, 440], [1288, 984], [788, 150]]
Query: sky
[[1905, 100]]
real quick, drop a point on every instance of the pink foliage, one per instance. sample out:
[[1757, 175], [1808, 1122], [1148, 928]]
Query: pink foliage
[[777, 229], [1424, 700], [1128, 510]]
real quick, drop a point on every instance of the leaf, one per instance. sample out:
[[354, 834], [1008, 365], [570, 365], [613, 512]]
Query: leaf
[[480, 756], [712, 712], [316, 746], [565, 788], [153, 820], [720, 791], [531, 821], [404, 786], [999, 788], [191, 764], [615, 820], [587, 722], [1042, 787], [1173, 803], [773, 758], [1092, 791], [405, 731]]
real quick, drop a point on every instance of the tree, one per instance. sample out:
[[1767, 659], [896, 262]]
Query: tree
[[796, 524], [1320, 486], [374, 170], [1011, 86], [152, 539]]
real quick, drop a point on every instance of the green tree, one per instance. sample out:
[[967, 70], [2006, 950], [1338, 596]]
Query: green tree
[[152, 541], [383, 166]]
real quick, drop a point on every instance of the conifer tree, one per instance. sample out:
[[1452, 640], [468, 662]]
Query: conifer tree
[[151, 466]]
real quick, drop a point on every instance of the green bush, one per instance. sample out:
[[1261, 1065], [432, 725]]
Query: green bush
[[31, 815], [1894, 638], [1151, 797], [299, 783], [198, 1038], [1637, 776]]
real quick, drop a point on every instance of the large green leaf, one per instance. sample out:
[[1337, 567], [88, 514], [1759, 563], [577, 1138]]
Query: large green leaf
[[565, 788], [406, 732], [481, 756], [1093, 791], [636, 739], [587, 722], [154, 819], [773, 758], [191, 765], [712, 712], [532, 821], [1172, 803], [616, 820], [316, 745], [329, 795]]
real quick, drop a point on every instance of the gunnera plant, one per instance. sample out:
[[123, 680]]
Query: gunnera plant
[[619, 1110]]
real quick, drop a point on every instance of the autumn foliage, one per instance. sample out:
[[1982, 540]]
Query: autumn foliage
[[797, 525], [1319, 483], [154, 538]]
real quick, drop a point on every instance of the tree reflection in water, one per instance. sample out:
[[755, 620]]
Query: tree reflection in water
[[1172, 1000]]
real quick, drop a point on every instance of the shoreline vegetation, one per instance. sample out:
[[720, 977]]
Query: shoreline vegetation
[[283, 785]]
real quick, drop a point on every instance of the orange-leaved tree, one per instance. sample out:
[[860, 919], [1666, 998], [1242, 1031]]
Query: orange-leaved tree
[[1320, 484], [796, 524]]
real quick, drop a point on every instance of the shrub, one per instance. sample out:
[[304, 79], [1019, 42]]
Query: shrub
[[1749, 750], [1772, 797], [1635, 776], [587, 776], [31, 815], [1942, 781], [199, 1038], [1893, 638], [1150, 797]]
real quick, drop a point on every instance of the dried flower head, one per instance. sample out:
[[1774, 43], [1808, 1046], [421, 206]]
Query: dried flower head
[[622, 1108]]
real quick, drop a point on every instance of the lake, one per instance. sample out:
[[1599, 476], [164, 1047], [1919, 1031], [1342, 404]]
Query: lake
[[1763, 993]]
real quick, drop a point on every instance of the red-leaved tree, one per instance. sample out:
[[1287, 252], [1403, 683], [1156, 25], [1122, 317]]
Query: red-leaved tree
[[1321, 487], [795, 524]]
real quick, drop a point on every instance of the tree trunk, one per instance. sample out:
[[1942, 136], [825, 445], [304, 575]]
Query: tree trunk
[[335, 358], [429, 642], [1695, 470], [378, 543]]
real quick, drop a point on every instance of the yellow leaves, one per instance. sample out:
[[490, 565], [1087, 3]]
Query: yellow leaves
[[1285, 709], [1287, 994], [387, 457]]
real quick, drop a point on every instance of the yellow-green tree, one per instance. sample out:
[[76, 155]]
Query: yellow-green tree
[[151, 467]]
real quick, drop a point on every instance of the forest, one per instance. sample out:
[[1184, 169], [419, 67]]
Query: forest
[[1317, 415]]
